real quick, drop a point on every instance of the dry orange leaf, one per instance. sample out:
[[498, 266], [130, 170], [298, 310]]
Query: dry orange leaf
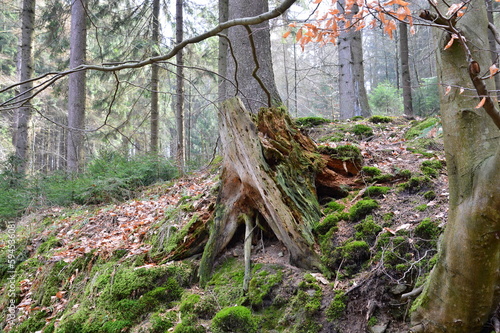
[[493, 69], [480, 105]]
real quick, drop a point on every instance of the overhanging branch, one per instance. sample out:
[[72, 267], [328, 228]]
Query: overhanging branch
[[246, 21]]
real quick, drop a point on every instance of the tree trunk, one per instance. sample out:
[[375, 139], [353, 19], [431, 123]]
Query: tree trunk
[[76, 92], [179, 91], [223, 49], [154, 78], [464, 287], [493, 44], [274, 178], [241, 68], [23, 114], [353, 100], [405, 69]]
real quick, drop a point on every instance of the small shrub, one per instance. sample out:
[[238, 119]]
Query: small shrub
[[371, 171], [236, 319], [362, 131], [307, 122], [362, 208], [380, 119], [386, 99], [376, 191]]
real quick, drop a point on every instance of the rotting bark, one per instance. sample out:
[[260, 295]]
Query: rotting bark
[[270, 169]]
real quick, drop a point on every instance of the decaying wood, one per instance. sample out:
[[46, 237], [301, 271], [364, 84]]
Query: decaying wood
[[269, 169]]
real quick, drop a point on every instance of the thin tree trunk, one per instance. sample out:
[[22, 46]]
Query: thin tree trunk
[[353, 99], [154, 78], [223, 50], [179, 112], [23, 114], [405, 69], [76, 92], [463, 289]]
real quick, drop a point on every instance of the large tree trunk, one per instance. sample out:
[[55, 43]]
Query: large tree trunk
[[154, 78], [464, 287], [23, 114], [270, 170], [76, 92], [353, 99], [223, 48], [241, 68]]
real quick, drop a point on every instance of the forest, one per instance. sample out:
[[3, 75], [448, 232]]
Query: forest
[[267, 166]]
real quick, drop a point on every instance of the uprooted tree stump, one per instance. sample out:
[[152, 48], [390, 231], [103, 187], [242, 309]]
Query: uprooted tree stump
[[270, 173]]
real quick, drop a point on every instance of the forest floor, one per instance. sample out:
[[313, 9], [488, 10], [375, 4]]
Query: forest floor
[[373, 261]]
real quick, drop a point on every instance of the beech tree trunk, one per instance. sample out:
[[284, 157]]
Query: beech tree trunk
[[353, 100], [23, 114], [243, 68], [463, 289], [76, 92]]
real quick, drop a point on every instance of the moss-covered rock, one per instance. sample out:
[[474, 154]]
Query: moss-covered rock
[[337, 306], [367, 230], [379, 119], [362, 208]]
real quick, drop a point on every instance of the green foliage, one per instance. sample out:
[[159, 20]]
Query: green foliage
[[363, 131], [376, 191], [371, 171], [236, 319], [386, 99], [307, 122], [380, 119], [426, 97], [362, 208], [337, 307]]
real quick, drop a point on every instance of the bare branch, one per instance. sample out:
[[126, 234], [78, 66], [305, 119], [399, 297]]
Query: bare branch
[[257, 66]]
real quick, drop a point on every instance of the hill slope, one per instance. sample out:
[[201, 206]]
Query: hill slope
[[109, 268]]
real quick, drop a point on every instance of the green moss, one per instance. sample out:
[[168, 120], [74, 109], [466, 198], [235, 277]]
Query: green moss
[[236, 319], [430, 195], [418, 128], [335, 137], [226, 282], [421, 208], [51, 243], [116, 326], [404, 173], [362, 131], [332, 207], [427, 229], [435, 164], [356, 250], [161, 323], [337, 306], [380, 119], [356, 118], [371, 171], [387, 217], [330, 221], [415, 184], [261, 285], [431, 168], [307, 122], [344, 153], [376, 191], [34, 323], [372, 321], [362, 208], [384, 178], [189, 328], [367, 230]]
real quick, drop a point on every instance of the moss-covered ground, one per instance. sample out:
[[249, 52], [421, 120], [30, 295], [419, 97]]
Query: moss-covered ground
[[108, 269]]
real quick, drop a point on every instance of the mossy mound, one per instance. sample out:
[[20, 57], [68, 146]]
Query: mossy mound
[[308, 122], [420, 128], [362, 208]]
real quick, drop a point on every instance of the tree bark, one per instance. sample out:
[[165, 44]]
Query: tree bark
[[241, 68], [179, 91], [267, 170], [405, 69], [353, 99], [493, 44], [464, 287], [23, 114], [76, 92], [223, 50], [154, 78]]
